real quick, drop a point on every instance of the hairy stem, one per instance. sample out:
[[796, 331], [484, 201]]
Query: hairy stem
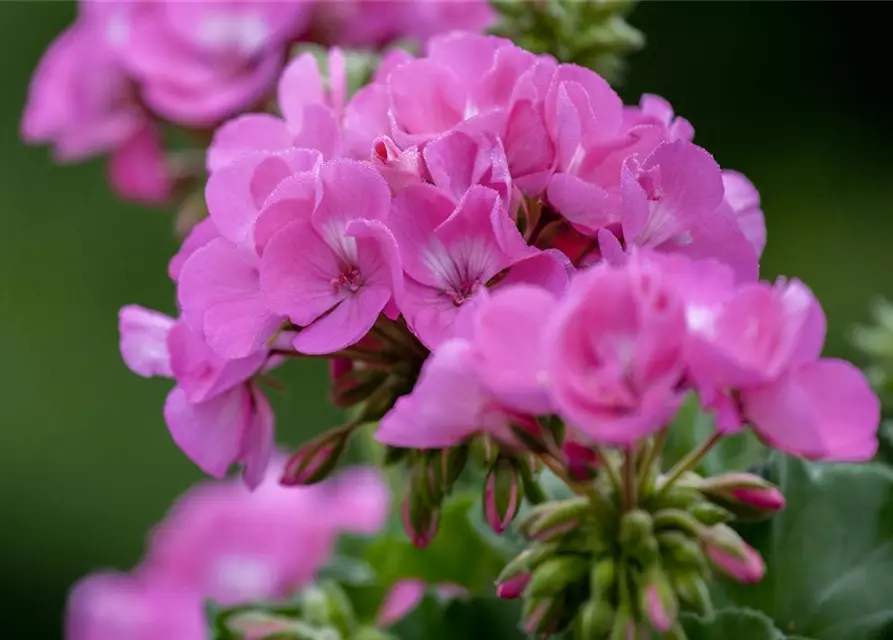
[[689, 462]]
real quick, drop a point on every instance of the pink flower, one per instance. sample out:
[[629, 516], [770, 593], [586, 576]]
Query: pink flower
[[109, 606], [236, 546], [214, 414], [616, 352], [201, 62], [449, 253], [81, 99], [316, 115], [200, 235], [654, 110], [335, 266], [447, 404], [138, 169], [672, 201], [744, 200]]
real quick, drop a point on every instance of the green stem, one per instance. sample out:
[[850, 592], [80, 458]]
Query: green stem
[[657, 448], [608, 468], [533, 491], [629, 479], [689, 462]]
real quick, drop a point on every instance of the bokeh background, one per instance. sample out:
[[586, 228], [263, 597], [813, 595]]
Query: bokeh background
[[785, 92]]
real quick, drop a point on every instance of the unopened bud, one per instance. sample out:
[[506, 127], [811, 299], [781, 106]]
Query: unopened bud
[[748, 496], [420, 521], [426, 481], [677, 497], [527, 561], [581, 460], [452, 463], [659, 602], [314, 461], [542, 616], [669, 519], [624, 624], [601, 579], [512, 588], [502, 495], [681, 550], [692, 589], [710, 514], [594, 620], [351, 385], [555, 575], [553, 520], [637, 536], [731, 555]]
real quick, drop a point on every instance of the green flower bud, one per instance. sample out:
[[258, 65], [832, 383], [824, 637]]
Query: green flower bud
[[554, 520], [710, 514], [594, 620], [601, 579], [542, 616], [555, 575], [692, 590], [527, 560], [681, 550]]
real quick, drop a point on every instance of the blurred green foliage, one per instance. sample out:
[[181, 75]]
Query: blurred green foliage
[[784, 92]]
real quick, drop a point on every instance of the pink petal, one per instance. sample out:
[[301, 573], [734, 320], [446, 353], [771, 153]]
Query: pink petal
[[219, 293], [201, 234], [586, 206], [200, 372], [257, 445], [416, 212], [457, 161], [236, 192], [429, 313], [427, 99], [446, 405], [144, 341], [744, 199], [294, 199], [210, 433], [549, 270], [298, 274], [508, 338], [317, 128], [358, 499], [529, 149], [299, 86], [244, 134], [400, 601], [346, 324], [825, 410], [350, 190], [138, 169], [365, 119]]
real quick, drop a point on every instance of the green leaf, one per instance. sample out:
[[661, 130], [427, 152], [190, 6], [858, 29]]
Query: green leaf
[[829, 553], [471, 619], [458, 554], [732, 624], [692, 426]]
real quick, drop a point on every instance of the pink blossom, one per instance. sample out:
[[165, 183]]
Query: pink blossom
[[616, 355], [214, 414], [744, 200], [200, 235], [316, 115], [138, 168], [447, 404], [201, 62], [654, 110], [824, 410], [335, 267], [81, 100], [110, 606], [449, 252], [236, 546], [672, 201]]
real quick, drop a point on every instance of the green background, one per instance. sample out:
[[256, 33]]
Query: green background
[[785, 92]]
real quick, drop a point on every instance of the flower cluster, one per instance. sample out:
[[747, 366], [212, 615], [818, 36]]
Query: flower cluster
[[123, 69], [222, 543], [491, 249]]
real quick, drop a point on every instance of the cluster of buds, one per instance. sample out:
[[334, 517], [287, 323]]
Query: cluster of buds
[[593, 34], [621, 561]]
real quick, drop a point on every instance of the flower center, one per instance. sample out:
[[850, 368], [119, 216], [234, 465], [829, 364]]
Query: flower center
[[350, 280]]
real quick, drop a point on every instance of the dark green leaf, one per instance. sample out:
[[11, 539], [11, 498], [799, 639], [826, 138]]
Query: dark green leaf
[[692, 426], [829, 553], [472, 619], [732, 624]]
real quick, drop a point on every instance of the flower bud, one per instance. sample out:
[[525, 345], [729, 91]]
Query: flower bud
[[542, 616], [314, 461], [677, 519], [677, 497], [426, 481], [527, 561], [419, 520], [452, 463], [512, 588], [581, 460], [692, 589], [747, 495], [555, 575], [637, 536], [502, 495], [659, 602], [594, 620], [351, 385], [624, 624], [681, 550], [731, 555], [554, 520], [710, 514], [601, 579]]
